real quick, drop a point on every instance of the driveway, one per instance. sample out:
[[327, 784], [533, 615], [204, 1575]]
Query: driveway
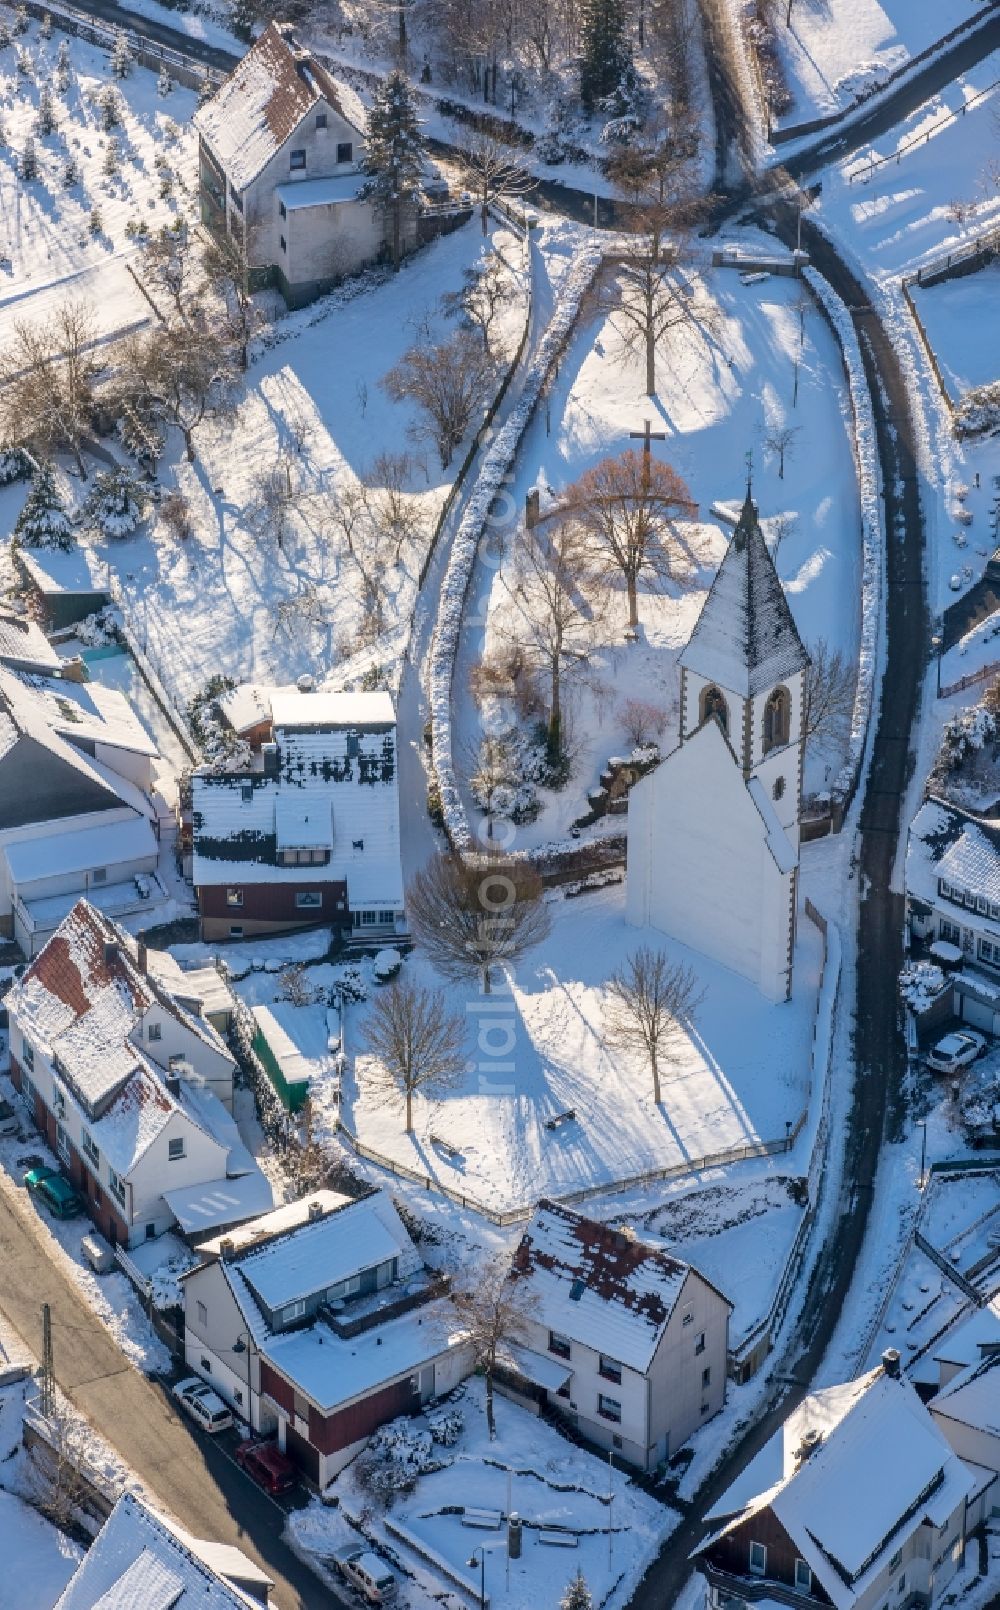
[[186, 1472]]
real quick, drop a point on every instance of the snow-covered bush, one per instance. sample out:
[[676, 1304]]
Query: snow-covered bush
[[112, 159], [386, 964], [71, 172], [966, 732], [979, 410], [4, 35], [21, 20], [214, 736], [117, 502], [110, 107], [45, 27], [98, 629], [14, 465], [396, 1455], [43, 522], [95, 221], [445, 1426], [920, 983], [25, 65], [164, 83], [175, 512]]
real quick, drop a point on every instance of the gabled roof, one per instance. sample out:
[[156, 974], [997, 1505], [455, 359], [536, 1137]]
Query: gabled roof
[[324, 1251], [141, 1561], [973, 1396], [599, 1286], [24, 646], [947, 842], [77, 711], [745, 638], [264, 100], [878, 1466]]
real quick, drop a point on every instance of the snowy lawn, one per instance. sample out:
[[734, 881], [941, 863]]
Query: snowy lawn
[[45, 224], [740, 1076], [529, 1470], [835, 52], [721, 395], [231, 599], [955, 314], [38, 1559]]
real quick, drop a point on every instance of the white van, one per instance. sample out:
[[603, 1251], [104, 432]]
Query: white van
[[366, 1572]]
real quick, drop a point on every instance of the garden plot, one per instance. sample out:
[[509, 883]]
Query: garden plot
[[741, 1076], [722, 395], [266, 606], [48, 243], [835, 53], [529, 1470]]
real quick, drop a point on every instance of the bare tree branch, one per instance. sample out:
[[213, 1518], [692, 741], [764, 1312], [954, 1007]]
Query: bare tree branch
[[472, 918], [417, 1042], [651, 999]]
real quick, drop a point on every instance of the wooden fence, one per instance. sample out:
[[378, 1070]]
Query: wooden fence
[[971, 679], [185, 69]]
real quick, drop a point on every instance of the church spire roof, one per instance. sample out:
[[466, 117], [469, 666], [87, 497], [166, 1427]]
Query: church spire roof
[[745, 638]]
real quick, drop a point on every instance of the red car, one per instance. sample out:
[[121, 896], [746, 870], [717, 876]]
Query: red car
[[267, 1466]]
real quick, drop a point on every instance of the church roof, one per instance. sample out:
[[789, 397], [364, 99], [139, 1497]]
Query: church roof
[[745, 638]]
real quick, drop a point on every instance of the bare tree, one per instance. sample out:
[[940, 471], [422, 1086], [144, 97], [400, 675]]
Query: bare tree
[[643, 722], [307, 1164], [491, 171], [47, 378], [782, 526], [828, 694], [472, 917], [558, 608], [490, 770], [447, 382], [627, 505], [227, 271], [171, 265], [179, 373], [418, 1044], [391, 507], [651, 999], [779, 441], [496, 1310], [484, 293], [56, 1482]]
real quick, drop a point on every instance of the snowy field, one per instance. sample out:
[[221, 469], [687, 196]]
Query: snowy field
[[835, 50], [46, 236], [231, 600], [531, 1470], [955, 314], [740, 1076], [722, 393]]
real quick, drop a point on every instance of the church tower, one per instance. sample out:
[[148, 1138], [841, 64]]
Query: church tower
[[713, 831]]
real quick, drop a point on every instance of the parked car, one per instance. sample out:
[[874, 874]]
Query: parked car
[[366, 1572], [203, 1405], [265, 1463], [956, 1051], [8, 1118], [57, 1194]]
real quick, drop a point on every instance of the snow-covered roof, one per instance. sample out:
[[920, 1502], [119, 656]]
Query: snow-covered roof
[[77, 571], [332, 1370], [973, 1396], [141, 1561], [598, 1286], [972, 863], [291, 709], [302, 822], [777, 839], [298, 1037], [947, 843], [275, 1223], [78, 711], [966, 1341], [245, 706], [56, 855], [323, 1251], [877, 1464], [25, 646], [745, 638], [213, 1206], [295, 197], [264, 100]]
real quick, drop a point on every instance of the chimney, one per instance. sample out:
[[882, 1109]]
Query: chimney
[[305, 683], [315, 1211], [173, 1083], [74, 670], [269, 755], [890, 1363], [227, 1247], [142, 957]]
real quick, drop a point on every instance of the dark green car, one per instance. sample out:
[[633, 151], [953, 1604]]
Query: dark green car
[[57, 1193]]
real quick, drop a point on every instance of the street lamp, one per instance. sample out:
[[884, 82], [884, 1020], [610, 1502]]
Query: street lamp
[[922, 1126], [936, 643], [481, 1551]]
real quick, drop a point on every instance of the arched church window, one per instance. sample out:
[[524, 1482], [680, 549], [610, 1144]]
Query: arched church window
[[779, 787], [713, 703], [777, 719]]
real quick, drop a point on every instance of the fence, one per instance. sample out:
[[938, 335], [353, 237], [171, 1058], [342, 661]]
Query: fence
[[186, 69], [149, 674], [971, 679], [867, 169], [925, 342]]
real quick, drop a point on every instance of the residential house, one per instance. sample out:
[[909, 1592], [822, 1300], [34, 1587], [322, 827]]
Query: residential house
[[953, 896], [281, 150], [974, 1335], [627, 1343], [858, 1501], [307, 830], [76, 816], [713, 830], [140, 1560], [319, 1321], [967, 1412], [132, 1088], [25, 647]]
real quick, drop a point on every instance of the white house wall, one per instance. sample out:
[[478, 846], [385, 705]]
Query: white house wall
[[329, 241], [154, 1172], [137, 768], [46, 830], [214, 1067], [260, 207], [675, 1375]]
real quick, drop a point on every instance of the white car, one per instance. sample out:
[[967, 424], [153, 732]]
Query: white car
[[203, 1405], [366, 1572], [956, 1051]]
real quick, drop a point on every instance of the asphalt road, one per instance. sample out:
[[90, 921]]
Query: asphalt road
[[187, 1472]]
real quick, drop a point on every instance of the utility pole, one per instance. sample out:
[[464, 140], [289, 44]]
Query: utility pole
[[48, 1380]]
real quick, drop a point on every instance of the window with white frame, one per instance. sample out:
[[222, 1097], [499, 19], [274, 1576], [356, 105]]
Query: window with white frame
[[758, 1559], [293, 1310], [116, 1185], [308, 899], [175, 1149], [27, 1090], [234, 897], [62, 1143], [154, 1031], [982, 905], [989, 951], [89, 1148], [609, 1408], [28, 1055], [803, 1576], [58, 1101], [559, 1345], [609, 1368], [950, 931], [296, 161]]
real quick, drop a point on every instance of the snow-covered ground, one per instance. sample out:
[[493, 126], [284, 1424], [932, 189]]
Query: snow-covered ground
[[722, 394], [740, 1076], [530, 1470], [46, 240], [834, 53], [38, 1559], [955, 314]]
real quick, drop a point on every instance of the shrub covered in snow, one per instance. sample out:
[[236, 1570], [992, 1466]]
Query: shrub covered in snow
[[43, 521], [920, 983], [117, 502], [968, 731], [979, 410], [396, 1455], [445, 1426], [14, 465], [387, 964], [214, 737]]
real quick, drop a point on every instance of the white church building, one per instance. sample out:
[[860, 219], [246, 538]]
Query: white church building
[[713, 832]]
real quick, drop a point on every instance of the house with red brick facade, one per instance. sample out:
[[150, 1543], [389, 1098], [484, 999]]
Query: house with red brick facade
[[318, 1322], [130, 1084], [301, 826]]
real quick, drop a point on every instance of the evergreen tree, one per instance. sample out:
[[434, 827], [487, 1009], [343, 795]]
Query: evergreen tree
[[4, 36], [242, 16], [45, 27], [71, 172], [111, 163], [62, 67], [120, 59], [164, 83], [14, 464], [117, 502], [110, 106], [96, 221], [577, 1595], [21, 20], [29, 159], [394, 158], [43, 522], [606, 57], [46, 120]]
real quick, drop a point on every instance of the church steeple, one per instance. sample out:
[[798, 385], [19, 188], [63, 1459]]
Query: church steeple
[[745, 638]]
